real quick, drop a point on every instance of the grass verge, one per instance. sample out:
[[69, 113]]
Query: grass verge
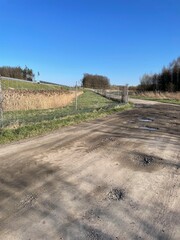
[[9, 135]]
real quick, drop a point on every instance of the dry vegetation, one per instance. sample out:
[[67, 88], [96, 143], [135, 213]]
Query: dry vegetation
[[160, 95], [26, 99]]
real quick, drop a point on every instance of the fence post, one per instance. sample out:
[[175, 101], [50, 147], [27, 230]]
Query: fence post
[[1, 105], [76, 96], [125, 94]]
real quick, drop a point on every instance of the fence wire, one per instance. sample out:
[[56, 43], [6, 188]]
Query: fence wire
[[23, 103]]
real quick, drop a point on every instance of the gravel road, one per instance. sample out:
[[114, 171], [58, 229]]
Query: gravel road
[[108, 179]]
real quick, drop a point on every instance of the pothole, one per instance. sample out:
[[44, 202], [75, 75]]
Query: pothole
[[141, 162], [147, 160], [116, 194], [144, 160], [149, 128]]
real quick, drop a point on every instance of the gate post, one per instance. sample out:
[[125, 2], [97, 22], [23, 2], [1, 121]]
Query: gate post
[[125, 94]]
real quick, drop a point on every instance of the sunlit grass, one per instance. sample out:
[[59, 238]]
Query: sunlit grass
[[18, 85]]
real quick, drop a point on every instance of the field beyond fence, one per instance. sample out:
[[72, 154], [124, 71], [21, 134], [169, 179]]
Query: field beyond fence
[[166, 97], [16, 100]]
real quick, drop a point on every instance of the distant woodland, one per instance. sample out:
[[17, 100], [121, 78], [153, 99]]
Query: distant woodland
[[167, 80], [17, 72], [95, 81]]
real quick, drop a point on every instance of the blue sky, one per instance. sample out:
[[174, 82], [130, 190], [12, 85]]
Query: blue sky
[[63, 39]]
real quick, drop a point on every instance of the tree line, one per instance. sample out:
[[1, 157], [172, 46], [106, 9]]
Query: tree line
[[17, 72], [95, 81], [167, 80]]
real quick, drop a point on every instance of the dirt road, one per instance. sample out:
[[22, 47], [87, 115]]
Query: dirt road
[[113, 178]]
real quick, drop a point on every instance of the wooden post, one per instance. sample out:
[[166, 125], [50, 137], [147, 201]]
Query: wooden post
[[76, 95], [125, 94]]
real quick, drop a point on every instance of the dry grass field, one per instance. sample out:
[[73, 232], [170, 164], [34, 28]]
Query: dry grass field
[[28, 100], [161, 95]]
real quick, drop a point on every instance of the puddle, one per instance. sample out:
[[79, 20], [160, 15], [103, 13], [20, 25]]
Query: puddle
[[146, 119], [116, 194], [149, 128]]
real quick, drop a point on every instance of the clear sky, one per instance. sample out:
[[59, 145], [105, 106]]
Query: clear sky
[[63, 39]]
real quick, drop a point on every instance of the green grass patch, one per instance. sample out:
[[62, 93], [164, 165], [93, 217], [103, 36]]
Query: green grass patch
[[18, 85]]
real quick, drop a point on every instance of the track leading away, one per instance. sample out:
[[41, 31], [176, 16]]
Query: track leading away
[[112, 178]]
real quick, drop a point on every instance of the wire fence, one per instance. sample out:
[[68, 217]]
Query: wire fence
[[25, 103], [120, 95]]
